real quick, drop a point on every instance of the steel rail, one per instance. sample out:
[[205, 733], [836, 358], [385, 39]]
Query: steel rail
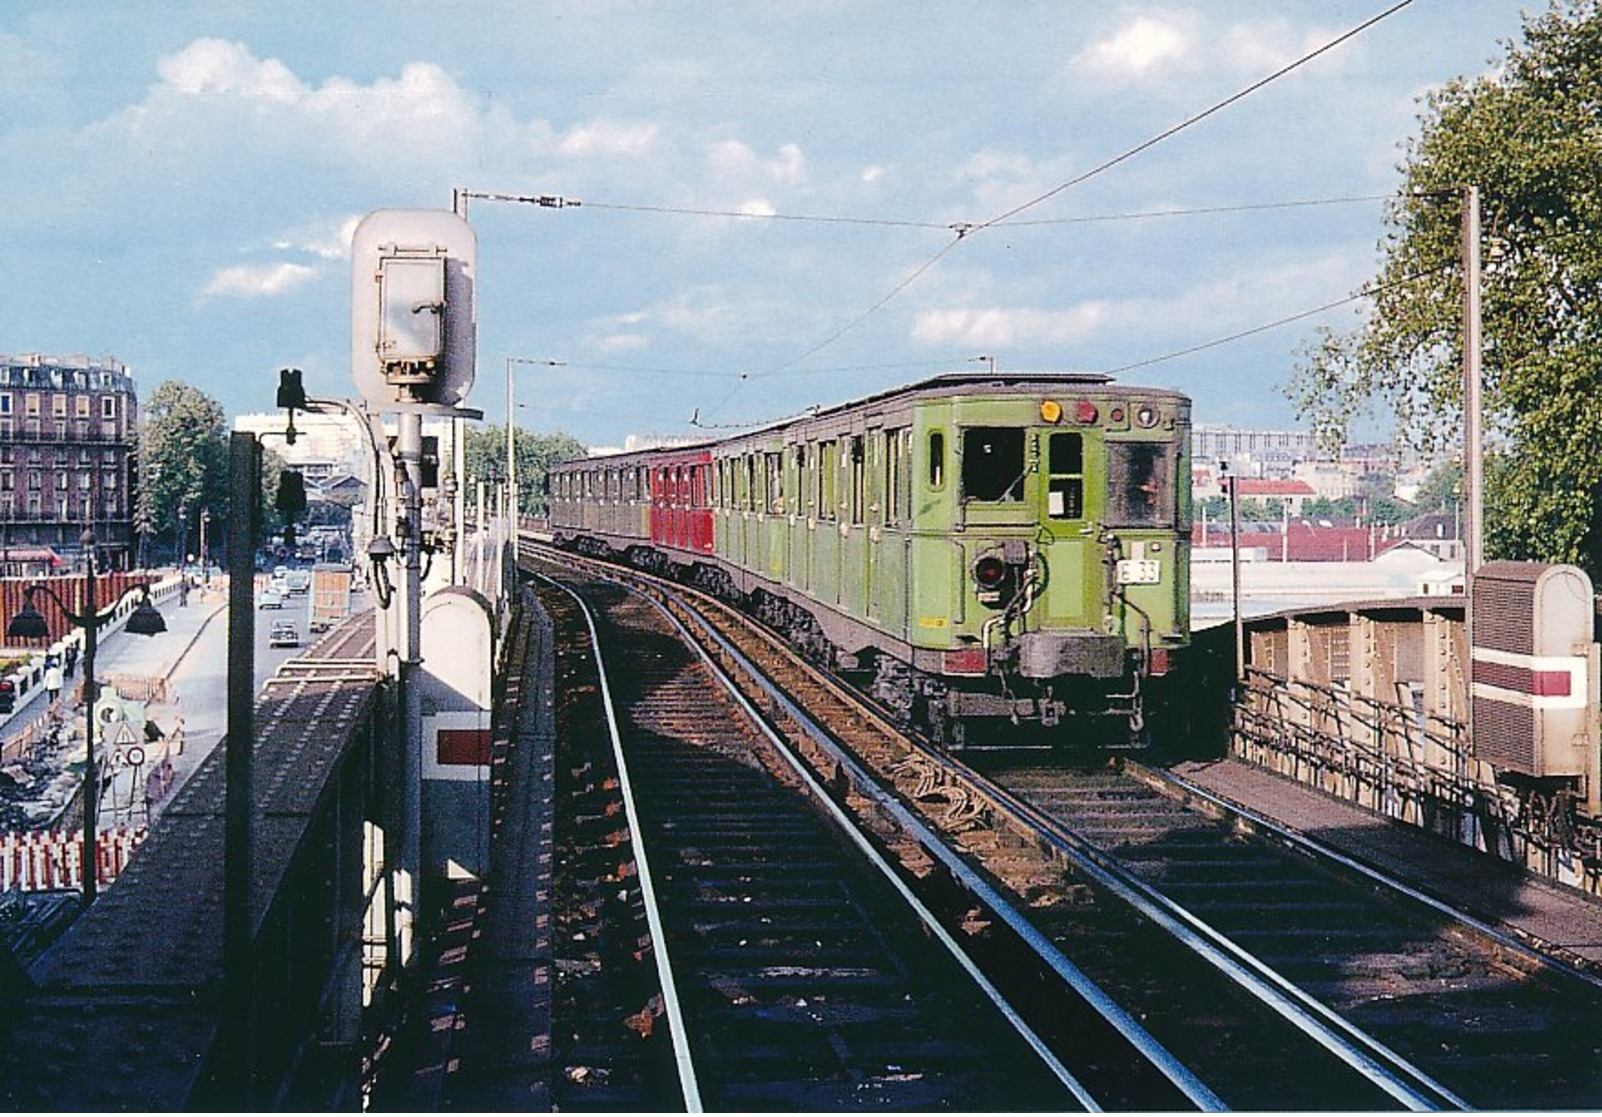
[[684, 1062], [1389, 1071], [849, 828], [1298, 840], [1181, 1077]]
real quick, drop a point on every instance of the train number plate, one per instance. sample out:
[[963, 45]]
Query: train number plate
[[1139, 572]]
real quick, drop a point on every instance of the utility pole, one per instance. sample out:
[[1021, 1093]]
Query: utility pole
[[1473, 477]]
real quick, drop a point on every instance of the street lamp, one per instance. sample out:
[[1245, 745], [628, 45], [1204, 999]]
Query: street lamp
[[511, 459], [29, 623]]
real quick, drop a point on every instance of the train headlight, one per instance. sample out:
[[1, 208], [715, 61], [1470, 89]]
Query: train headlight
[[1050, 411], [1086, 413], [989, 572]]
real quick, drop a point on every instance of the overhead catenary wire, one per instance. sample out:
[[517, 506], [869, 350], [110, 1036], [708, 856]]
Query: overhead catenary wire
[[1358, 296], [965, 231]]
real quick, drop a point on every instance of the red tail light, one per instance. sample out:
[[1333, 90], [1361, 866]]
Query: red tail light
[[989, 571]]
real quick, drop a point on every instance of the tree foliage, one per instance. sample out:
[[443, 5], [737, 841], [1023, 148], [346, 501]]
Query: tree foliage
[[183, 459], [1529, 136], [533, 453]]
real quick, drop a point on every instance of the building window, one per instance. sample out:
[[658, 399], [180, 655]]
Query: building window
[[81, 407], [108, 481], [32, 403], [108, 407], [5, 403], [58, 405]]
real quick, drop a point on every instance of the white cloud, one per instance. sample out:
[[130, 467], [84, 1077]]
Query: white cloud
[[1144, 44], [608, 137], [326, 240], [732, 158], [254, 281], [621, 343], [993, 327], [213, 94], [213, 66]]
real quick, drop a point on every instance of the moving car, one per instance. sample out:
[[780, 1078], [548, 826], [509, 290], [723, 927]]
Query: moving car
[[284, 635], [270, 599]]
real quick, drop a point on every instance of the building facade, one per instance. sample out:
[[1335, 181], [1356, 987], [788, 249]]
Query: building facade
[[68, 454]]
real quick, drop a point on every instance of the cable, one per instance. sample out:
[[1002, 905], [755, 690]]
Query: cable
[[964, 230], [1200, 211], [1365, 293], [801, 217], [1197, 118]]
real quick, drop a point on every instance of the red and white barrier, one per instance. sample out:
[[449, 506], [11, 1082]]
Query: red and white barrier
[[46, 860]]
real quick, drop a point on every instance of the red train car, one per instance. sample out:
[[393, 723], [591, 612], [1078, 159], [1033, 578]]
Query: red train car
[[681, 504]]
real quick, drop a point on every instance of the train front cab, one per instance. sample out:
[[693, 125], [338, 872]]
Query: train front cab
[[1048, 552]]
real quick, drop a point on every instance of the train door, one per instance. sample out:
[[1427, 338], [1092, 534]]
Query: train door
[[803, 463], [855, 568], [826, 539], [889, 536], [776, 546], [936, 572]]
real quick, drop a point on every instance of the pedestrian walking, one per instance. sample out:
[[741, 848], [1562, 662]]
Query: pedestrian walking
[[52, 679]]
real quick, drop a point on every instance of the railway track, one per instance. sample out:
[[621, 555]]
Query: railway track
[[1507, 1028], [718, 944], [1423, 1007], [1222, 1035]]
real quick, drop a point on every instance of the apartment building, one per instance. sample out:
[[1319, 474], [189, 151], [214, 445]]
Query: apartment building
[[68, 454]]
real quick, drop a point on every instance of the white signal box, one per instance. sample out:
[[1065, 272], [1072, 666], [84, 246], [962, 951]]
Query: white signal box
[[413, 313]]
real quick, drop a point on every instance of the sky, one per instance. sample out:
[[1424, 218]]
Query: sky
[[771, 193]]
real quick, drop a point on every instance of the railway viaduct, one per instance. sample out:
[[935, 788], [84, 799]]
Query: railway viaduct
[[139, 1005]]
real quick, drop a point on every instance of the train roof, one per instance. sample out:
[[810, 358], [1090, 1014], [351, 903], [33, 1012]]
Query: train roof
[[943, 384]]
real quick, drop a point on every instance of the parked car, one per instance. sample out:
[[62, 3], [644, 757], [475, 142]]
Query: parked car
[[270, 599], [284, 635]]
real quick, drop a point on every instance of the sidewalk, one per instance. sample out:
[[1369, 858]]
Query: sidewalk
[[171, 669], [191, 658]]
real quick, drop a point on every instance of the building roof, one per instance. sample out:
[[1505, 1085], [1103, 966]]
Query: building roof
[[1254, 486]]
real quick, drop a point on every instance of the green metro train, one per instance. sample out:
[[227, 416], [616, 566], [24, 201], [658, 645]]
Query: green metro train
[[984, 551]]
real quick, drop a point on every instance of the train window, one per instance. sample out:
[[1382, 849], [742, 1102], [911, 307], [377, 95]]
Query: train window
[[1065, 494], [993, 463], [859, 481], [898, 444], [775, 467], [828, 480], [1139, 484], [937, 459]]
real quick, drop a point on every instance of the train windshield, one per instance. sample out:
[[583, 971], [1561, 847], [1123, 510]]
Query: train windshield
[[1140, 484], [993, 463]]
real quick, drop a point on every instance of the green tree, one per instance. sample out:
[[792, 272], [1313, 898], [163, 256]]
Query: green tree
[[1528, 136], [1441, 488], [183, 461], [485, 458]]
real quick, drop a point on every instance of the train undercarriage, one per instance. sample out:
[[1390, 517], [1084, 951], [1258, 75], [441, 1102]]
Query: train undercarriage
[[996, 705]]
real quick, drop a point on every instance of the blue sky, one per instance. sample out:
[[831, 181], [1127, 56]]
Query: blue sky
[[181, 180]]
